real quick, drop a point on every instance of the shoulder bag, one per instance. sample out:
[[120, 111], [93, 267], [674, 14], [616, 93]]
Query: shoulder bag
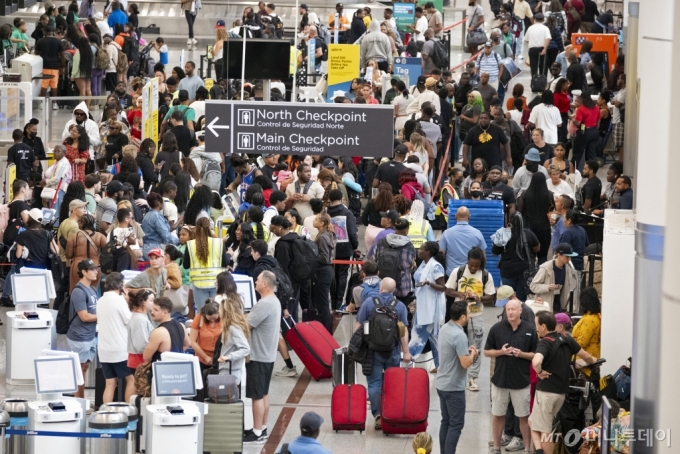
[[475, 36], [572, 11]]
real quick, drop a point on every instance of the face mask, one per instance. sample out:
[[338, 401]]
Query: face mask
[[33, 135], [459, 181], [476, 193]]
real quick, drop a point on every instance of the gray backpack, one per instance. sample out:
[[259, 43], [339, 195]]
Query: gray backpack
[[211, 175]]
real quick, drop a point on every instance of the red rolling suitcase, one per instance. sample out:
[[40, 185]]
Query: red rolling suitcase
[[348, 407], [314, 346], [405, 401]]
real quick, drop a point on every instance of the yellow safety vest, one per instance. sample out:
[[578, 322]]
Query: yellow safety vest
[[203, 275], [418, 234]]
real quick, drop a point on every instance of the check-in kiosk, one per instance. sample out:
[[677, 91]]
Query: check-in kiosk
[[30, 330], [54, 412], [171, 423]]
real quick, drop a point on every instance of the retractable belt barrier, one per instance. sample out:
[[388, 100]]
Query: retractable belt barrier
[[45, 433]]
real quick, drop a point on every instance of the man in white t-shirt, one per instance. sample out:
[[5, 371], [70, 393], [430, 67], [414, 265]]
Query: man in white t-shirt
[[169, 207], [420, 26], [113, 315], [537, 38], [473, 283], [546, 117]]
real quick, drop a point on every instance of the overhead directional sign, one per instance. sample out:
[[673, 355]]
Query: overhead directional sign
[[299, 128]]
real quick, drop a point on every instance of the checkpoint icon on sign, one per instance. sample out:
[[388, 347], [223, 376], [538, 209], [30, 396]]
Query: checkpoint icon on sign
[[246, 141], [246, 117]]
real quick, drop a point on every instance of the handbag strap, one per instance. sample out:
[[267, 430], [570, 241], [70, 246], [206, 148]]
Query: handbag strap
[[526, 247], [472, 19]]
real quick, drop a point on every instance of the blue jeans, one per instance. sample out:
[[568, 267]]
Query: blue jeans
[[7, 289], [419, 337], [380, 364], [517, 285], [452, 404], [501, 91], [202, 294]]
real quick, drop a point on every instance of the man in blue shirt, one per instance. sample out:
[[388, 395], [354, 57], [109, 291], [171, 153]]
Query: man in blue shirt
[[457, 241], [623, 187], [117, 16], [306, 443], [383, 360]]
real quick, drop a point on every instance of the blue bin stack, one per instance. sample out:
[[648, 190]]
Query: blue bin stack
[[487, 216]]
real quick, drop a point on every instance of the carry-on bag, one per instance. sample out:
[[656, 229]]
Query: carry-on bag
[[223, 428], [221, 388], [314, 346], [404, 401], [348, 407]]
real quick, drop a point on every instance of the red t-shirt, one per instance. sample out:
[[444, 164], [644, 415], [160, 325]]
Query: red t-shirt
[[588, 117], [562, 102]]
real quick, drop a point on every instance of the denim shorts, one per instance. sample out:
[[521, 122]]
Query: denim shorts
[[85, 349]]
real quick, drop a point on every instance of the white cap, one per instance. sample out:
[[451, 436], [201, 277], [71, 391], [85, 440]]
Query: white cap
[[338, 94]]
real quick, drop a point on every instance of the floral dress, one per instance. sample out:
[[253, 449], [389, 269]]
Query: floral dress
[[72, 154]]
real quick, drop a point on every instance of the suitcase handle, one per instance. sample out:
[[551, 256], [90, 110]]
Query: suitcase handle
[[286, 322]]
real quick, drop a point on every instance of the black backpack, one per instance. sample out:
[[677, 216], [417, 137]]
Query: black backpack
[[278, 26], [284, 288], [108, 255], [383, 333], [324, 49], [305, 258], [389, 264], [438, 55], [64, 320], [131, 49]]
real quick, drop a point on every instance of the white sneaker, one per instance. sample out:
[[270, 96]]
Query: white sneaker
[[189, 42], [472, 385], [287, 372], [55, 106], [505, 440], [194, 40], [515, 445]]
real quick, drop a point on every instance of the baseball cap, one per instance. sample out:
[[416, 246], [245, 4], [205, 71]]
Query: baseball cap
[[565, 249], [220, 24], [391, 213], [339, 4], [158, 252], [338, 94], [422, 80], [310, 422], [503, 295], [539, 16], [36, 214], [87, 264], [562, 318], [329, 163], [401, 149], [304, 6], [533, 155], [76, 204], [430, 81], [114, 186], [487, 44]]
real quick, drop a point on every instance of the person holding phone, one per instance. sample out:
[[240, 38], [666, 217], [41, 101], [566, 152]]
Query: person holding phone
[[474, 284]]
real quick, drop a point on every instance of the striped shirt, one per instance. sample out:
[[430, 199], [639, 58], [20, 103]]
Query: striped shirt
[[489, 64]]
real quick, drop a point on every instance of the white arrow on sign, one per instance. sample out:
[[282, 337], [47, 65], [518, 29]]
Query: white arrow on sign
[[212, 127]]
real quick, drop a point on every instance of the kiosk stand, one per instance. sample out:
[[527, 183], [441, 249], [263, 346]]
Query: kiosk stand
[[56, 374], [30, 329], [171, 423]]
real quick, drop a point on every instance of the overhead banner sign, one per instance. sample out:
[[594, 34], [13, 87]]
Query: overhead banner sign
[[404, 14], [343, 66], [299, 128]]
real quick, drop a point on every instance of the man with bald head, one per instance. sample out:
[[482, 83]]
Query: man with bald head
[[457, 241], [512, 342], [384, 359]]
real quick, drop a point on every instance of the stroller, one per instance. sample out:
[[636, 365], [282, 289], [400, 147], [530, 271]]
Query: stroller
[[146, 62], [572, 416]]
